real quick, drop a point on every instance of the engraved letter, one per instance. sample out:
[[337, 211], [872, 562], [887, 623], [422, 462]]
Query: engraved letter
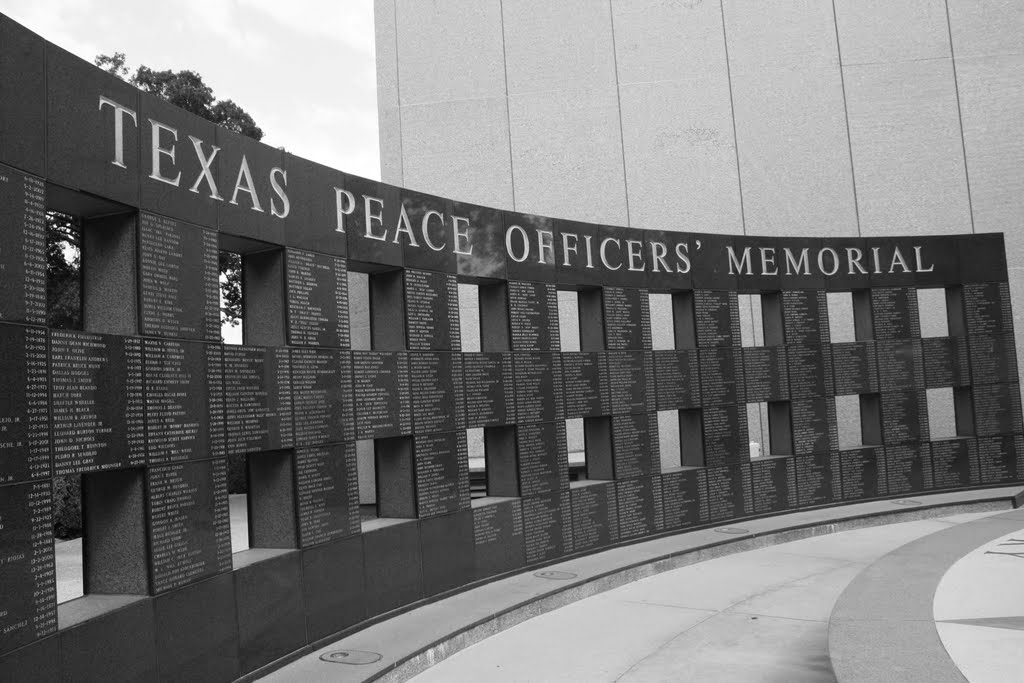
[[205, 162], [119, 113], [508, 243], [279, 190], [739, 264], [342, 211], [155, 174]]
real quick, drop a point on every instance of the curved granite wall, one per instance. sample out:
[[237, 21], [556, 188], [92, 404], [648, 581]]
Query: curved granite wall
[[150, 408]]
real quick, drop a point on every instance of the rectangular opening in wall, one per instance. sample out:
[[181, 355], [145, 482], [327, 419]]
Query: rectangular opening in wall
[[662, 325], [963, 406], [840, 317], [232, 298], [684, 320], [396, 478], [597, 445], [859, 420], [751, 321], [366, 472], [863, 321], [494, 327], [931, 305], [67, 532], [501, 465], [691, 438], [262, 289], [271, 500], [114, 547], [577, 447], [956, 320], [359, 310], [63, 271], [758, 433], [569, 320], [387, 310], [941, 413], [668, 439], [469, 317], [591, 320], [477, 456]]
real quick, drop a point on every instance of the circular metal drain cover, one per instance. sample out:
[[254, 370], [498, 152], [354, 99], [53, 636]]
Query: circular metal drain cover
[[351, 657], [906, 502], [558, 576], [731, 530]]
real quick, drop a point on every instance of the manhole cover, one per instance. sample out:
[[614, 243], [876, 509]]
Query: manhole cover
[[731, 530], [906, 502], [351, 657], [557, 576]]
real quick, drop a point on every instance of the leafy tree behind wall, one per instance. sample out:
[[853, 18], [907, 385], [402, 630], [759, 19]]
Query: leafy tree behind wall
[[184, 89]]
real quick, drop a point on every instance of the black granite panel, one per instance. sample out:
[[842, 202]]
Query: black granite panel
[[333, 586], [814, 426], [533, 316], [179, 290], [945, 362], [627, 318], [810, 370], [38, 662], [677, 376], [983, 258], [718, 318], [98, 650], [711, 267], [189, 522], [1000, 459], [432, 386], [953, 462], [383, 404], [900, 365], [317, 301], [370, 226], [993, 358], [587, 392], [908, 468], [28, 588], [97, 402], [271, 622], [818, 479], [894, 312], [427, 231], [252, 206], [628, 374], [432, 311], [442, 473], [997, 409], [327, 493], [196, 632], [23, 91], [538, 384], [765, 373], [729, 492], [547, 526], [317, 220], [595, 517], [684, 497], [987, 308], [854, 368], [83, 129], [24, 405], [773, 484], [542, 457], [498, 537], [805, 317], [904, 417], [392, 565], [489, 389], [446, 544], [635, 444], [721, 373], [481, 254], [725, 434], [257, 396], [863, 472], [322, 396], [638, 510], [180, 378], [23, 258], [530, 246]]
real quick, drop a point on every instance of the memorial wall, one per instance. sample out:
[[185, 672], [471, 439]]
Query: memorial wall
[[149, 407]]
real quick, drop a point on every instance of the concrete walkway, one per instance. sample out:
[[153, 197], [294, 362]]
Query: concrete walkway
[[760, 615]]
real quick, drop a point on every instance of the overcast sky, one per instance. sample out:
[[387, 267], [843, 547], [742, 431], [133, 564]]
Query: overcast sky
[[304, 69]]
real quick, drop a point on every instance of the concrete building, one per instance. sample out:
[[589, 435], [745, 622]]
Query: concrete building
[[790, 117]]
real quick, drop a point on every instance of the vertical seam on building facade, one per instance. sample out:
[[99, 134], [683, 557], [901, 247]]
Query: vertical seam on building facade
[[398, 96], [508, 113], [618, 111], [846, 118], [959, 115], [732, 113]]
